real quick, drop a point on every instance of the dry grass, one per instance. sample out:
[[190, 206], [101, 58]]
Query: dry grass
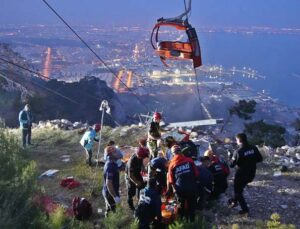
[[51, 144]]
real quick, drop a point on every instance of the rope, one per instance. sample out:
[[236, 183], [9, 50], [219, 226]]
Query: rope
[[96, 55], [199, 96]]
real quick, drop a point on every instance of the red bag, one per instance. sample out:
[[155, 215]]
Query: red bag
[[65, 182]]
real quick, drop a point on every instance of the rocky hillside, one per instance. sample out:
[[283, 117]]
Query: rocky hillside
[[78, 101], [274, 190]]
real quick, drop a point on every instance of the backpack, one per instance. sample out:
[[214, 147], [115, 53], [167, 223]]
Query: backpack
[[82, 209]]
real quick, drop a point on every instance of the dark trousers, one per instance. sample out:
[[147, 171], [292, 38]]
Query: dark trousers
[[89, 155], [132, 190], [187, 205], [219, 188], [202, 197], [239, 185], [26, 136], [109, 202]]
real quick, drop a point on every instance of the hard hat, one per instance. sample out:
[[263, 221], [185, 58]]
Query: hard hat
[[157, 116], [97, 127], [176, 149], [208, 153], [143, 152]]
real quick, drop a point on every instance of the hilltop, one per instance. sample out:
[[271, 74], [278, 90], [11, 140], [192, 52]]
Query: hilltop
[[266, 195]]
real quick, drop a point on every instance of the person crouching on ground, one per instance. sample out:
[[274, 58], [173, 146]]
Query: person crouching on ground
[[148, 210], [87, 141], [158, 171], [245, 158], [182, 174], [220, 178], [204, 182], [133, 177], [111, 183]]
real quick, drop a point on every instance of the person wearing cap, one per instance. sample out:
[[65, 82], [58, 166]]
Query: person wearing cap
[[154, 134], [25, 120], [182, 174], [110, 147], [87, 141], [219, 177], [148, 210], [133, 177], [215, 159], [111, 183], [158, 172], [245, 158]]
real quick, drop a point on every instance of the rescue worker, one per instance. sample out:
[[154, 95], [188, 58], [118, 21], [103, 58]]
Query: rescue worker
[[158, 172], [169, 142], [219, 177], [219, 160], [204, 182], [118, 154], [134, 179], [148, 211], [25, 120], [245, 158], [111, 183], [154, 134], [87, 141], [182, 174], [188, 148]]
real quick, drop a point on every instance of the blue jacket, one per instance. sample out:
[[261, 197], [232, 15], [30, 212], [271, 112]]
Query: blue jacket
[[111, 172], [25, 119], [151, 200], [87, 140]]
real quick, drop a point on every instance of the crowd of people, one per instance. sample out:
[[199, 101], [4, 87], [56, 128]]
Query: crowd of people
[[176, 172]]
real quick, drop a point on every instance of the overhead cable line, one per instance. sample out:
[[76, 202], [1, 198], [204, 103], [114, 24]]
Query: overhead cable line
[[89, 47], [53, 91], [50, 90]]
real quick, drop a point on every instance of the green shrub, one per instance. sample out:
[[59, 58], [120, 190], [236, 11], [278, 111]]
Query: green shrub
[[275, 223], [264, 133], [235, 226], [199, 223], [243, 109], [119, 219], [58, 218], [17, 185], [296, 124]]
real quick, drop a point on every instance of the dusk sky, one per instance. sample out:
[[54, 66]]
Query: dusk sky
[[275, 13]]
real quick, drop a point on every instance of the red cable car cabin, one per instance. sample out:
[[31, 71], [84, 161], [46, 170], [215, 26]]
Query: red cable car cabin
[[176, 49]]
